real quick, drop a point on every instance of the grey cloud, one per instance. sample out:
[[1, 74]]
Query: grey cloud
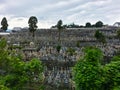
[[50, 11]]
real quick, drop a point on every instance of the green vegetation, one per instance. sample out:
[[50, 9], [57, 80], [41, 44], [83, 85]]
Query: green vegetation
[[90, 74], [14, 47], [118, 33], [87, 71], [88, 24], [100, 36], [99, 24], [58, 47], [59, 27], [32, 24], [72, 25], [15, 74], [78, 44], [71, 51], [2, 87], [112, 75], [4, 24]]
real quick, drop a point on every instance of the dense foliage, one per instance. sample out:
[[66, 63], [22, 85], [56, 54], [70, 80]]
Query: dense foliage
[[112, 75], [87, 72], [90, 74], [15, 74]]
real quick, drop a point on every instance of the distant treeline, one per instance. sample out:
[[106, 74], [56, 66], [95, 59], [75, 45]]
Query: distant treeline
[[87, 25]]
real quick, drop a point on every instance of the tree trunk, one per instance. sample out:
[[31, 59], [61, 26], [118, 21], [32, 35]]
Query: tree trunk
[[59, 36], [33, 34]]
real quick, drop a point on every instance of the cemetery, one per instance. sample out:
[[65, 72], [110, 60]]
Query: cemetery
[[58, 64], [60, 45]]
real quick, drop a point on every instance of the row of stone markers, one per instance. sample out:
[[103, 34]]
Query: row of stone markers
[[58, 65]]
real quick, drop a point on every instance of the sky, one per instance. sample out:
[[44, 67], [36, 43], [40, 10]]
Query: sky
[[48, 12]]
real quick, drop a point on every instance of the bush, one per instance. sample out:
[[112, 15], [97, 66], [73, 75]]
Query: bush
[[71, 51], [88, 72], [58, 48]]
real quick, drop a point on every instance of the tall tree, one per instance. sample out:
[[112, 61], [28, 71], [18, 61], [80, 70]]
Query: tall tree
[[4, 24], [59, 27], [32, 24]]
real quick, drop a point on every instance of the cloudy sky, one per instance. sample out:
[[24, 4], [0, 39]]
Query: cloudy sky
[[48, 12]]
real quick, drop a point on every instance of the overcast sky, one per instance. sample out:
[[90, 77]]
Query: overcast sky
[[48, 12]]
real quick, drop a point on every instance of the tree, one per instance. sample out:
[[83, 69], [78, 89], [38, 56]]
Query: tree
[[70, 51], [78, 44], [116, 58], [4, 24], [100, 36], [2, 87], [118, 33], [73, 25], [59, 27], [88, 24], [16, 74], [112, 75], [93, 25], [32, 24], [58, 47], [88, 73], [99, 24]]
